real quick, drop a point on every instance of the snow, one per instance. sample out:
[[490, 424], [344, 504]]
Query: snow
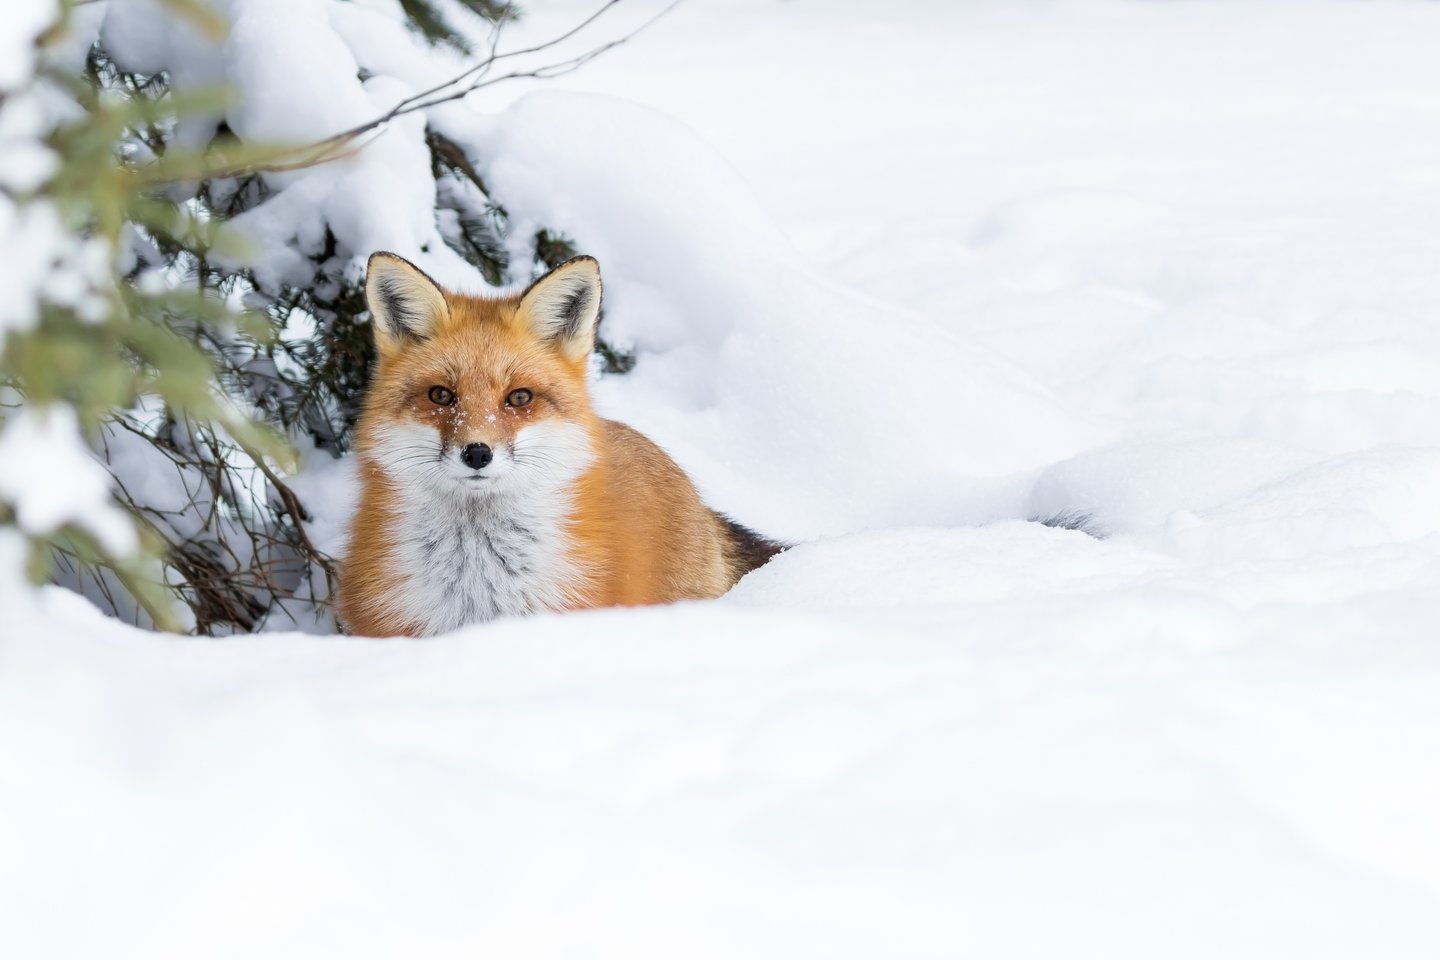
[[1169, 772], [33, 239], [301, 65], [50, 480], [896, 284], [762, 362], [17, 41]]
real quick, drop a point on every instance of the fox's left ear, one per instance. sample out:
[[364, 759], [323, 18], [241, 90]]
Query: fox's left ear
[[562, 306]]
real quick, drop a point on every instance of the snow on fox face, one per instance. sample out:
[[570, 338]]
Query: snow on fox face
[[485, 396]]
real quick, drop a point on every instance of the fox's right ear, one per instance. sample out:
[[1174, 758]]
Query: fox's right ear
[[406, 304]]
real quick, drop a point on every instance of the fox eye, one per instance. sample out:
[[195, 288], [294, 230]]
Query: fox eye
[[519, 398], [443, 396]]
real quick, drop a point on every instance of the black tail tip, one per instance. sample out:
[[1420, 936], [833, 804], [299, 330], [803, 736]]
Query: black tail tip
[[748, 548]]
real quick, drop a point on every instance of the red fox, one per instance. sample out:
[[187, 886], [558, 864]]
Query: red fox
[[488, 484]]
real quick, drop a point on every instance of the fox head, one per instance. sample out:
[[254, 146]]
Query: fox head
[[480, 395]]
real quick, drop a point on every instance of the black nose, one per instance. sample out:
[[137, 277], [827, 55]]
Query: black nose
[[476, 455]]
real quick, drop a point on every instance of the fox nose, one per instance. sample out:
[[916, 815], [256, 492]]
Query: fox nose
[[476, 455]]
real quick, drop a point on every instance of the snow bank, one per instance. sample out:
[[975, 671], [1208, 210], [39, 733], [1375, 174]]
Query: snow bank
[[917, 757], [803, 407], [1202, 227]]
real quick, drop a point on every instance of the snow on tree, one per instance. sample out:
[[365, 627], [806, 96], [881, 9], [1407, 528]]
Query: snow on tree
[[187, 198]]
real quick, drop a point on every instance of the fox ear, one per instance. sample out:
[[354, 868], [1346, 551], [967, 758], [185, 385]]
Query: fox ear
[[562, 306], [406, 304]]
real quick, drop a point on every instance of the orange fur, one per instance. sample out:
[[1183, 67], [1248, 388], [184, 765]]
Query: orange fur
[[635, 529]]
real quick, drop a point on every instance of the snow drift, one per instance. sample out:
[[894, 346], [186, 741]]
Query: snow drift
[[803, 407], [932, 729]]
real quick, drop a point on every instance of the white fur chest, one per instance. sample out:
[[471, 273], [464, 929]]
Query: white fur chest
[[463, 546], [469, 560]]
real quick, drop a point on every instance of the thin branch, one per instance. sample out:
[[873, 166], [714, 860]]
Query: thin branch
[[479, 69], [339, 145], [293, 506]]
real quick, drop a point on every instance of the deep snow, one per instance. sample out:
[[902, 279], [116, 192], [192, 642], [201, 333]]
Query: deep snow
[[1167, 265]]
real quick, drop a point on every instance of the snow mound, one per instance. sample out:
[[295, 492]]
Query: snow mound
[[1134, 486], [1385, 495], [816, 409], [928, 572], [1047, 733], [1209, 734]]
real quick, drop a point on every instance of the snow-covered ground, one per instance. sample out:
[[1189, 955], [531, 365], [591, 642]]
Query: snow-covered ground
[[899, 276]]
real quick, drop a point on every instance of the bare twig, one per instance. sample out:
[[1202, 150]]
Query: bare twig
[[344, 144], [294, 508]]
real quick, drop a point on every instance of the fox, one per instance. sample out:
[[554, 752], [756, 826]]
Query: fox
[[489, 486]]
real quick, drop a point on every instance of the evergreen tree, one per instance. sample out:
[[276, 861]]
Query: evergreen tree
[[220, 323]]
